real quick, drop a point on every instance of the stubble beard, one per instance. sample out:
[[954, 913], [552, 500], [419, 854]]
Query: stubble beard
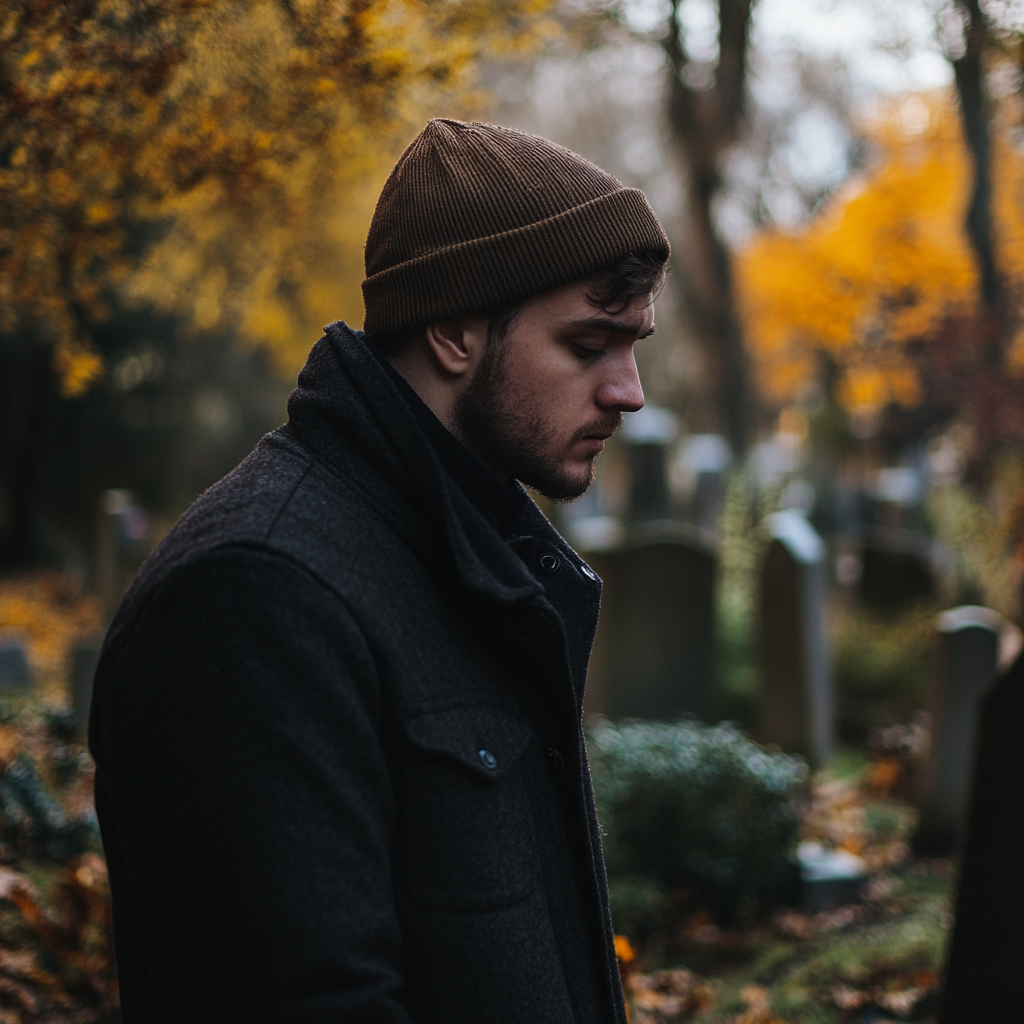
[[492, 417]]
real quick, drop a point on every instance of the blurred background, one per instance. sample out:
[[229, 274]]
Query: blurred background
[[814, 531]]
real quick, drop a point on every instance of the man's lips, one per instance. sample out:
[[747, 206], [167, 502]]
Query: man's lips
[[595, 442], [593, 435]]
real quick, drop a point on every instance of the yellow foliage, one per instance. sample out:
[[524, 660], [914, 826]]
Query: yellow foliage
[[247, 129], [50, 613], [77, 366], [883, 264]]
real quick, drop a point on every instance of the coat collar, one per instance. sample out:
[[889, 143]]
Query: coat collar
[[348, 404]]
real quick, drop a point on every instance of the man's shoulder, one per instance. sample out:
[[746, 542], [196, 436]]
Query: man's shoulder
[[281, 500]]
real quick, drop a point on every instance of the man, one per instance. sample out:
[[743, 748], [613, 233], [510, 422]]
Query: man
[[340, 769]]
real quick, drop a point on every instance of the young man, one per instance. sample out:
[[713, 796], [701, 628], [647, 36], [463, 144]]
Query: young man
[[340, 769]]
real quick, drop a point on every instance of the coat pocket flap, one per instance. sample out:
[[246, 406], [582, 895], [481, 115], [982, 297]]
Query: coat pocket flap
[[486, 739]]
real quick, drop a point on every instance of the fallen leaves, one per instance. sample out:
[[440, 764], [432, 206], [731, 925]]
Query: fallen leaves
[[56, 936], [875, 959], [668, 996], [757, 1007], [902, 995], [50, 612]]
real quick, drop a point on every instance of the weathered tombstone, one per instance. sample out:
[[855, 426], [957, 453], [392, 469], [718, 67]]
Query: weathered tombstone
[[84, 658], [706, 458], [654, 656], [122, 541], [796, 707], [828, 878], [966, 654], [987, 947], [15, 671], [896, 569], [647, 434]]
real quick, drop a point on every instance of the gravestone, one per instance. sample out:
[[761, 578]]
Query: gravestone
[[706, 458], [966, 654], [647, 435], [796, 706], [122, 542], [15, 671], [85, 657], [896, 569], [654, 655], [987, 945], [828, 878]]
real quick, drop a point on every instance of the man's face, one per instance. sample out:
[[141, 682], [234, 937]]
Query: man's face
[[547, 396]]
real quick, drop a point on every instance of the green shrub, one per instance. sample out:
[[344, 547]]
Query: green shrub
[[688, 807]]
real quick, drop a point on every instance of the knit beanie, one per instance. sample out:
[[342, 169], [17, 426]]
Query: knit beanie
[[475, 216]]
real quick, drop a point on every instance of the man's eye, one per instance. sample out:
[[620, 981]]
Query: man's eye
[[584, 352]]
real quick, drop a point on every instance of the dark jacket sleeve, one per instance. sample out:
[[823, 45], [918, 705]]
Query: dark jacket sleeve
[[246, 804]]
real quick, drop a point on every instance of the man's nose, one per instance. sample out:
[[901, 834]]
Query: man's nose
[[621, 391]]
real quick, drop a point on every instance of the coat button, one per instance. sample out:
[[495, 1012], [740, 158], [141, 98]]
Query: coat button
[[550, 563], [487, 759], [587, 571], [556, 758]]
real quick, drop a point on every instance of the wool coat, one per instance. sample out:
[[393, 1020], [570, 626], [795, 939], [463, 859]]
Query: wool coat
[[340, 771]]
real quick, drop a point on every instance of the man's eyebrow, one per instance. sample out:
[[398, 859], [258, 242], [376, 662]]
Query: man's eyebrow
[[603, 323]]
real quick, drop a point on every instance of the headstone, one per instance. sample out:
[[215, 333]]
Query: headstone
[[796, 706], [654, 656], [896, 569], [122, 542], [706, 458], [647, 434], [85, 657], [15, 671], [828, 878], [987, 946], [966, 655]]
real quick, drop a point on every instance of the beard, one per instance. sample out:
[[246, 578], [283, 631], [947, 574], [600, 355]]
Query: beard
[[495, 419]]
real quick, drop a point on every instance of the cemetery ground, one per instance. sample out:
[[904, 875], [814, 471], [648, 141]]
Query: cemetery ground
[[874, 960], [869, 959]]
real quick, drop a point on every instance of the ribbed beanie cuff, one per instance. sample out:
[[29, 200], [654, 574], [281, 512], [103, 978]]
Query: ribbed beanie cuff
[[475, 216]]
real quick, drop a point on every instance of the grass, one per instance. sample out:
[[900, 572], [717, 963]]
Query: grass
[[874, 961]]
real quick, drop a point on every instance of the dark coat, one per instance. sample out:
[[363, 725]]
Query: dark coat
[[340, 769]]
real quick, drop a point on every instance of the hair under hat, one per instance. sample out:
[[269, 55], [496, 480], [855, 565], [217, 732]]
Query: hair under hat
[[475, 216]]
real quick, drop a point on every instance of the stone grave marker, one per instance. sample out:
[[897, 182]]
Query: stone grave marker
[[15, 671], [966, 656], [796, 706], [706, 458], [987, 945], [896, 569], [647, 435], [122, 542], [85, 657], [654, 656]]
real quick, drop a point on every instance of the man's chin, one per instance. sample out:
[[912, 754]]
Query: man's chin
[[562, 484]]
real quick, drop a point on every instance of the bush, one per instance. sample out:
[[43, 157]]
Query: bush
[[693, 815]]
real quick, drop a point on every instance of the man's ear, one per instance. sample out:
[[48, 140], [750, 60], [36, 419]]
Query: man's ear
[[457, 345]]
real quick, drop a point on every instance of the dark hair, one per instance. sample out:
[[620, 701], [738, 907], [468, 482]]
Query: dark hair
[[635, 275], [632, 277]]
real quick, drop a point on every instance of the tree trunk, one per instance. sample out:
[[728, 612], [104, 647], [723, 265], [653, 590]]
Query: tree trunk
[[27, 397], [969, 72], [704, 123]]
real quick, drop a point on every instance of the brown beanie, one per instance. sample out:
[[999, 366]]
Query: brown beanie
[[475, 216]]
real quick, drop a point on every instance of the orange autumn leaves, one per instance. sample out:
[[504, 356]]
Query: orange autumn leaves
[[883, 264]]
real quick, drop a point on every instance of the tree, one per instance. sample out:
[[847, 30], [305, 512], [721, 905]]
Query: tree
[[886, 280], [706, 107], [190, 154]]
